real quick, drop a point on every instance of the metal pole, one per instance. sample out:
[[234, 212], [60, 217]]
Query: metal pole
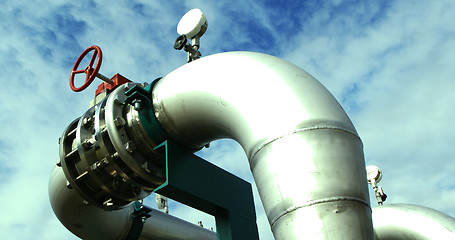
[[104, 78]]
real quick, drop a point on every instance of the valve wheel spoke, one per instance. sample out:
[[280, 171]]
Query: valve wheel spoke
[[93, 59], [79, 71]]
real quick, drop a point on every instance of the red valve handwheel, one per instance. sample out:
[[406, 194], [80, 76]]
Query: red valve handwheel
[[89, 70]]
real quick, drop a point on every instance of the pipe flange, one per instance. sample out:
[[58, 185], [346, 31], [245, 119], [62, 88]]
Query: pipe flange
[[107, 156], [129, 140]]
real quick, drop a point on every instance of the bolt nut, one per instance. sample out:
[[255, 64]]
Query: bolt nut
[[118, 100], [88, 121], [119, 122], [88, 143], [145, 166], [108, 203], [130, 147], [113, 173], [137, 104]]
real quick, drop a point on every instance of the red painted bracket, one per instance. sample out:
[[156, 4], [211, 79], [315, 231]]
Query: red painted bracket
[[118, 80]]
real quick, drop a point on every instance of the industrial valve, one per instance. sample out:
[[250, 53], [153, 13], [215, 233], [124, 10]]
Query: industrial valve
[[106, 154]]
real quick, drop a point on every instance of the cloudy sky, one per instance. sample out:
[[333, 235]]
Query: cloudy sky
[[391, 65]]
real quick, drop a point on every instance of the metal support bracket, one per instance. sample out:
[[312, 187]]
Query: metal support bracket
[[197, 183], [140, 215], [140, 98]]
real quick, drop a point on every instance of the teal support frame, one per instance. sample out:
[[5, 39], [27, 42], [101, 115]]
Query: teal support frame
[[199, 184]]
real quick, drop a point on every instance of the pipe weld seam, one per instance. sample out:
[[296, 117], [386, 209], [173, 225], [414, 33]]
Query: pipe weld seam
[[310, 128], [320, 201]]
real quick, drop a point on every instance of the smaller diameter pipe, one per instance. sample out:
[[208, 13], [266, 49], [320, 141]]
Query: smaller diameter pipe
[[407, 221], [89, 222]]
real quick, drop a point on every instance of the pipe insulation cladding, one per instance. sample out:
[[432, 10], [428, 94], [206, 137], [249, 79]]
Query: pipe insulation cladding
[[408, 221], [91, 222], [304, 152]]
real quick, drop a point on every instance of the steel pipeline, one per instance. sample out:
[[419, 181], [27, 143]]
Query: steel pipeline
[[407, 221], [91, 222], [304, 153]]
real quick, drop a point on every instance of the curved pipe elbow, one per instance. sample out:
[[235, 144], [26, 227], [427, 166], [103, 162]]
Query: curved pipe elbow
[[85, 221], [250, 97], [407, 221], [304, 152], [90, 222]]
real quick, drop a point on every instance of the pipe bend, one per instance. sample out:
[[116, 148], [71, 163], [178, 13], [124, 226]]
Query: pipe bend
[[408, 221], [85, 221], [301, 145], [314, 127], [90, 222], [320, 201], [249, 97]]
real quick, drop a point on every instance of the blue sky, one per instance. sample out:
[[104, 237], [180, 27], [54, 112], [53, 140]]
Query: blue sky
[[391, 64]]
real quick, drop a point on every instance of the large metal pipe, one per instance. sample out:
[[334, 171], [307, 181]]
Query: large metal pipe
[[407, 221], [90, 222], [304, 153]]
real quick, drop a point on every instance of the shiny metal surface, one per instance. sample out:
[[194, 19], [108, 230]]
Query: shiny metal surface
[[132, 143], [93, 223], [304, 152], [407, 221], [85, 221], [162, 226], [107, 156]]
